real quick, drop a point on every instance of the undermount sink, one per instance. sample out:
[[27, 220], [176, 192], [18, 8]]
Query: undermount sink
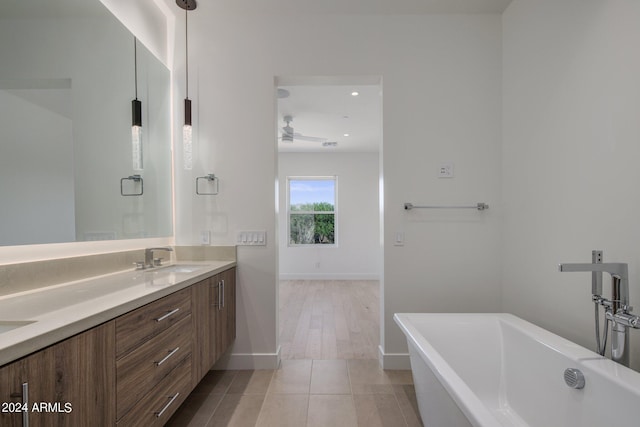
[[8, 325], [179, 269]]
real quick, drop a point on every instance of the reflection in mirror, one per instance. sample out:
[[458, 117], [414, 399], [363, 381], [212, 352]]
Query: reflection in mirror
[[67, 81]]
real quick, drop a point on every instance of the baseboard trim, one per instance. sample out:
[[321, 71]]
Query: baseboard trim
[[393, 360], [243, 361], [329, 276]]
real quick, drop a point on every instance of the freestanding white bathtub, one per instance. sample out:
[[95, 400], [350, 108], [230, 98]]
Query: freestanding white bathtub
[[486, 370]]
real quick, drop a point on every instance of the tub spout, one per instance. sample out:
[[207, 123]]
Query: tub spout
[[617, 309], [618, 270]]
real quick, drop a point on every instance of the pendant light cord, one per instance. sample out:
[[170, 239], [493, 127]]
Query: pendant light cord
[[186, 49], [135, 64]]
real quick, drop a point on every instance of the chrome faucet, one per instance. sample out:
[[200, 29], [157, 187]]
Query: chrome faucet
[[617, 309], [149, 261]]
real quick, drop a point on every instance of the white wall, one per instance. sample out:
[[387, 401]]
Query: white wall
[[37, 167], [441, 76], [151, 21], [358, 224], [571, 147]]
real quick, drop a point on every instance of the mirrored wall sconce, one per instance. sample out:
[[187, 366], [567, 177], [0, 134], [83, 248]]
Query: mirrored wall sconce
[[136, 118], [213, 187], [137, 181]]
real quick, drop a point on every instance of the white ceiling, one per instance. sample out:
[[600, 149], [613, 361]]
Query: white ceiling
[[329, 111], [51, 8], [394, 7]]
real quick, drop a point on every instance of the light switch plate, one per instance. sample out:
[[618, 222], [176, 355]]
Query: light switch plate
[[445, 170], [251, 238]]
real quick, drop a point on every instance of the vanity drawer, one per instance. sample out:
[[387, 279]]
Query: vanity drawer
[[141, 324], [156, 408], [140, 371]]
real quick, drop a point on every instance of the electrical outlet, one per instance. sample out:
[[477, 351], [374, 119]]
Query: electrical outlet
[[399, 240], [205, 237]]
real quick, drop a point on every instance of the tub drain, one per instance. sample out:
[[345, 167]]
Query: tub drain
[[574, 378]]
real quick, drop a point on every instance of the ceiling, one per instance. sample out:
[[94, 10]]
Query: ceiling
[[23, 9], [386, 7], [328, 112]]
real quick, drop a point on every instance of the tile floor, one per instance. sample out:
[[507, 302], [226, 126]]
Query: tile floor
[[303, 392]]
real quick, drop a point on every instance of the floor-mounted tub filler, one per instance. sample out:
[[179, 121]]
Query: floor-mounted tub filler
[[486, 370]]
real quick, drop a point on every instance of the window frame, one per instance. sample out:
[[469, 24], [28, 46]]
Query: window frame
[[333, 178]]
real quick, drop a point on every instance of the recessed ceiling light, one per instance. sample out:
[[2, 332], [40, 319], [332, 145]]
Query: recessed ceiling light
[[346, 134], [355, 93]]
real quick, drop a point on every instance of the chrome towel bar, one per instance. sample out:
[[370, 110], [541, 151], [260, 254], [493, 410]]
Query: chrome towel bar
[[481, 206]]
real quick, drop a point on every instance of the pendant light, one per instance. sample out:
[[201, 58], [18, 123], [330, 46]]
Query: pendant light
[[187, 132], [136, 117]]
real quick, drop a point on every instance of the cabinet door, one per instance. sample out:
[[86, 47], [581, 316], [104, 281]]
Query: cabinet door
[[229, 278], [71, 383], [214, 316], [203, 342], [11, 380], [225, 315]]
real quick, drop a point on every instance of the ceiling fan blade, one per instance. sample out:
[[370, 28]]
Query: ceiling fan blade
[[300, 137]]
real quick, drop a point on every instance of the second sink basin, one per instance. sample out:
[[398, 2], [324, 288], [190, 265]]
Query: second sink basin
[[8, 325], [179, 269]]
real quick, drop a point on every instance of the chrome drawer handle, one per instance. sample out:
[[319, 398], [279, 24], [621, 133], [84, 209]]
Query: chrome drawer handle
[[164, 359], [223, 293], [159, 414], [169, 314], [25, 403]]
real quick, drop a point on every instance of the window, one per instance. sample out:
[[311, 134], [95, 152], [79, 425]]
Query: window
[[312, 210]]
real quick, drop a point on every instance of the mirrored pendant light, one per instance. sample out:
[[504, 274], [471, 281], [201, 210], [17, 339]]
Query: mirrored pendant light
[[187, 131], [136, 118]]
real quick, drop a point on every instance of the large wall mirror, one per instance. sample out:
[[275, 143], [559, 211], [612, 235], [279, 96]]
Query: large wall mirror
[[67, 79]]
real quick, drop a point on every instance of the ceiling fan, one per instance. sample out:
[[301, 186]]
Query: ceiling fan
[[288, 135]]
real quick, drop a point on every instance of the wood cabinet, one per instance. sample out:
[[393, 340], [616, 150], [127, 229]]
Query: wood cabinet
[[214, 302], [225, 311], [152, 342], [138, 326], [134, 370], [71, 383]]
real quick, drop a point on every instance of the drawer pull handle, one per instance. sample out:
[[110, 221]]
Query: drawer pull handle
[[169, 314], [159, 414], [25, 403], [223, 291], [164, 359]]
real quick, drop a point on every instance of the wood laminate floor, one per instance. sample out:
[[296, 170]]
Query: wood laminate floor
[[329, 375], [329, 319]]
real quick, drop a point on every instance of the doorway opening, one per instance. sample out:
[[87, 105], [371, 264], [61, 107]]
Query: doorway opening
[[329, 216]]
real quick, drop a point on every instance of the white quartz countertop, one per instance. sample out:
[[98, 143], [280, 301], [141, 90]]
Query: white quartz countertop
[[30, 321]]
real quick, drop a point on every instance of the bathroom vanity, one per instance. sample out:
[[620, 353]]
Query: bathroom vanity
[[143, 348]]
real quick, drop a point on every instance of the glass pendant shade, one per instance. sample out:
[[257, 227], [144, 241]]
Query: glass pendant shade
[[136, 135], [187, 137]]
